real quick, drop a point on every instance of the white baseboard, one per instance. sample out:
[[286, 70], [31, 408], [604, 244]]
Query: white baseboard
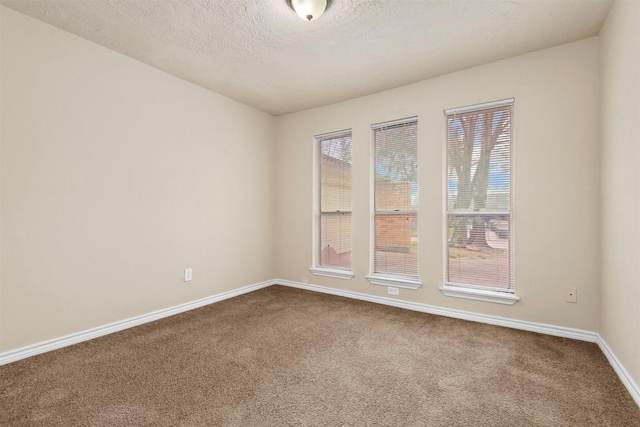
[[626, 379], [560, 331], [78, 337]]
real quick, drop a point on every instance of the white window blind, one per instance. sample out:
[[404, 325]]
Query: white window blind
[[395, 216], [335, 159], [479, 210]]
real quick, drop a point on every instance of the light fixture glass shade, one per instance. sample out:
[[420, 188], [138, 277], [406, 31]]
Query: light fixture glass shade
[[309, 10]]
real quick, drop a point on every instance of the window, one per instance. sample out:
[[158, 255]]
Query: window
[[479, 205], [333, 255], [395, 204]]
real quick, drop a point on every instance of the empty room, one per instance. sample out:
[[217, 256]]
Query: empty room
[[320, 213]]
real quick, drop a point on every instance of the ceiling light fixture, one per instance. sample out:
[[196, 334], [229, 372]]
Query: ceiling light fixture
[[309, 10]]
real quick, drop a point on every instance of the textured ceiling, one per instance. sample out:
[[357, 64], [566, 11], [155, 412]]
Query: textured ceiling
[[261, 53]]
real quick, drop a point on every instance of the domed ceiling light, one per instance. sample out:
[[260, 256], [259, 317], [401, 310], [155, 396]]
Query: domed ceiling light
[[309, 10]]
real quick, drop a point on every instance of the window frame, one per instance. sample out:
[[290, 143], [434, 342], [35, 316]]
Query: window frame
[[378, 278], [318, 268], [468, 290]]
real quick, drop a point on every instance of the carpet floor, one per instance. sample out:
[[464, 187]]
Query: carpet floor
[[286, 357]]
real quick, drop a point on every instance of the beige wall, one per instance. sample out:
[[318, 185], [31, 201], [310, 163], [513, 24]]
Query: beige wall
[[115, 177], [620, 115], [556, 132]]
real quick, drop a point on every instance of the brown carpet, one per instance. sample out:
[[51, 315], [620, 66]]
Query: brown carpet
[[286, 357]]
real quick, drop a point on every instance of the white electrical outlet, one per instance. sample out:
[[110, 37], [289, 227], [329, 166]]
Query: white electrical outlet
[[393, 291], [571, 294], [188, 274]]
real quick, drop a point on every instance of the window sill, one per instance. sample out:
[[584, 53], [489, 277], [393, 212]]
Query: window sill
[[398, 282], [480, 294], [332, 272]]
